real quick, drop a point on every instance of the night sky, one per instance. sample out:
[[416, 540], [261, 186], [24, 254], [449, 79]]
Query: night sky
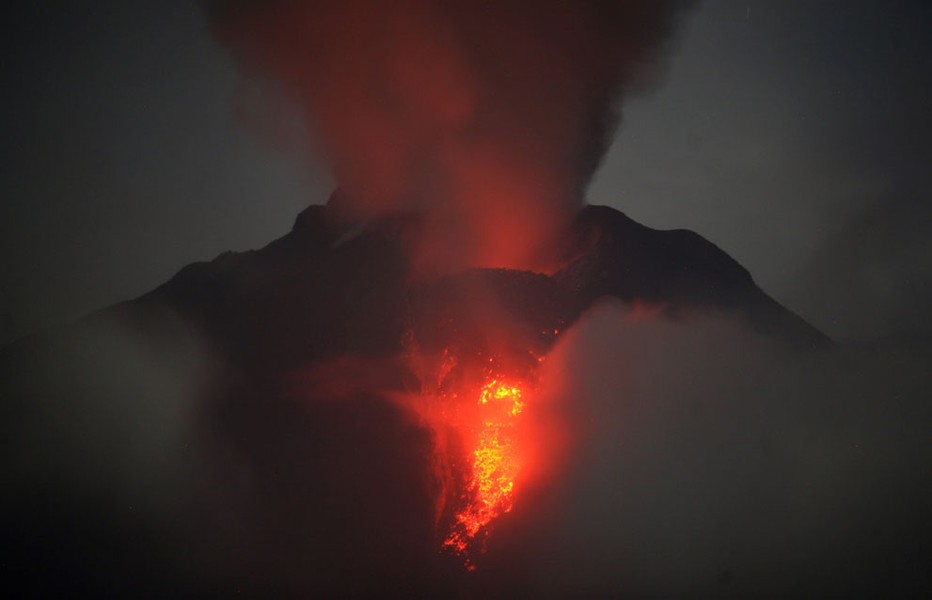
[[794, 135]]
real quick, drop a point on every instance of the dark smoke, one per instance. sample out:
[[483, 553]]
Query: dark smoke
[[490, 116]]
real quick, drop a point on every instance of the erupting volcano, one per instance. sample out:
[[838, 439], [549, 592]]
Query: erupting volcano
[[374, 374]]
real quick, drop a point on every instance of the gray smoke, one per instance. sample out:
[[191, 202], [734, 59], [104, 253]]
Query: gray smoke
[[710, 460]]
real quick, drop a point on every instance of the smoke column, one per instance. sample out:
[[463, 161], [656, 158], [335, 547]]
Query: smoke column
[[488, 118]]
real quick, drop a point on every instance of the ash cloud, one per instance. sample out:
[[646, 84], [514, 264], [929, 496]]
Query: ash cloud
[[489, 117], [711, 461], [99, 427], [137, 460]]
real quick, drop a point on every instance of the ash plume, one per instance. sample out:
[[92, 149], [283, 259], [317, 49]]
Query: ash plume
[[488, 117]]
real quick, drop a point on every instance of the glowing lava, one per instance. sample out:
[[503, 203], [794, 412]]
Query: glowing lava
[[496, 463]]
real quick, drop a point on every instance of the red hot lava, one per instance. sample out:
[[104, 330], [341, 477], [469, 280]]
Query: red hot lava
[[476, 345], [496, 459], [484, 412]]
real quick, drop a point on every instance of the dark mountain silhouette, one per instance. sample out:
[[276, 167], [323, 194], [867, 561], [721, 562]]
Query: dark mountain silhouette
[[301, 495], [325, 289]]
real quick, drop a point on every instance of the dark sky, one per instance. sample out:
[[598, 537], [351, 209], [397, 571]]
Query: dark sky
[[793, 134]]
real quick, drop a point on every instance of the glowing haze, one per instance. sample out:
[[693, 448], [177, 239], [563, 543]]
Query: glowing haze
[[489, 118]]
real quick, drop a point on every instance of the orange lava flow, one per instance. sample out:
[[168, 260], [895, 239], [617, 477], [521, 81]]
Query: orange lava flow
[[496, 463]]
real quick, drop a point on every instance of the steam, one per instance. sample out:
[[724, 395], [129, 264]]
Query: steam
[[710, 460], [490, 118], [100, 436]]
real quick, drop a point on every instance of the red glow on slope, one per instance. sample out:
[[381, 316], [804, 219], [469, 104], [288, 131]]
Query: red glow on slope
[[496, 462]]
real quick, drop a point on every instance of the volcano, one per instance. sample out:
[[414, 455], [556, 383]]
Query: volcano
[[329, 288], [318, 477]]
